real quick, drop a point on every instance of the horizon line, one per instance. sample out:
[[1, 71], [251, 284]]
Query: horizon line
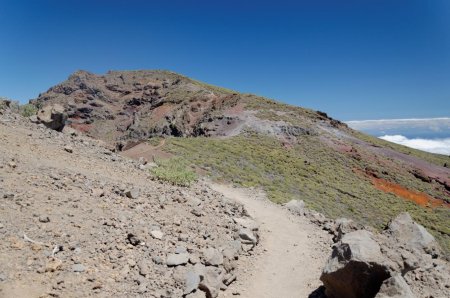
[[397, 119]]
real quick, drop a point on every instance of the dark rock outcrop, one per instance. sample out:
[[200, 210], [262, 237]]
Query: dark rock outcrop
[[53, 116], [356, 268]]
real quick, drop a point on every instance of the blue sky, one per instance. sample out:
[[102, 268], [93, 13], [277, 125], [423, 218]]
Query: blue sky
[[352, 59]]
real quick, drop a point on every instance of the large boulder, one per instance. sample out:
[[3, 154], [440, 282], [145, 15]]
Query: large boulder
[[53, 116], [395, 287], [410, 234], [356, 267]]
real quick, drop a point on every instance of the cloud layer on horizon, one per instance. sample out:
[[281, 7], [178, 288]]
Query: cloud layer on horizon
[[434, 124], [440, 146]]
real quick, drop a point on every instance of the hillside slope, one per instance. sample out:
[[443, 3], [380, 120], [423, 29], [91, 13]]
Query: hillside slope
[[77, 220], [289, 151]]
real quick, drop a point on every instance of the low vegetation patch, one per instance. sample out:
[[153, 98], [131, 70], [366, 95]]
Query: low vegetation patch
[[175, 171], [27, 110], [323, 178]]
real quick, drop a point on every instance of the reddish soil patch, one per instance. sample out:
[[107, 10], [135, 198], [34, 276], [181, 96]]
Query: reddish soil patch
[[419, 198]]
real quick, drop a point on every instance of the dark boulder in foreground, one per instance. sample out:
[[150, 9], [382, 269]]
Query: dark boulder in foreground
[[356, 268]]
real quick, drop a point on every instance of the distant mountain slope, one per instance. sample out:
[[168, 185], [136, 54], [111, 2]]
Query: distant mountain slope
[[289, 151]]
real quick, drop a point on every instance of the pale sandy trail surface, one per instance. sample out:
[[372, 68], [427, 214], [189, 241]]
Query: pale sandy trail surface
[[291, 253]]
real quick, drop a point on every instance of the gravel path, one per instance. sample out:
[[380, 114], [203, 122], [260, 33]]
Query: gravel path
[[291, 253]]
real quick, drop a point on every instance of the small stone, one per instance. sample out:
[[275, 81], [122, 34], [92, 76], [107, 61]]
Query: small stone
[[133, 240], [68, 149], [97, 286], [33, 119], [131, 262], [183, 237], [8, 195], [143, 268], [98, 192], [44, 219], [212, 257], [158, 260], [247, 223], [194, 259], [132, 193], [180, 250], [78, 268], [197, 211], [142, 288], [191, 282], [157, 234], [177, 259], [177, 221], [2, 277], [229, 278], [197, 294], [53, 265], [247, 236], [232, 249], [296, 206], [211, 282]]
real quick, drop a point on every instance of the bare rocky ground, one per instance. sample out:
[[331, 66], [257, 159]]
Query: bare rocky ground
[[78, 220]]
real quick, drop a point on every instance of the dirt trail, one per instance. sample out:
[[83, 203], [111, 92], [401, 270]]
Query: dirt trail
[[291, 253]]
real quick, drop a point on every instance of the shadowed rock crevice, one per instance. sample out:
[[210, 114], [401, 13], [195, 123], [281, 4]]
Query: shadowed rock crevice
[[356, 279]]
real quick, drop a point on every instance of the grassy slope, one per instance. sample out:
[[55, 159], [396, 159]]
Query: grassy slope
[[320, 176]]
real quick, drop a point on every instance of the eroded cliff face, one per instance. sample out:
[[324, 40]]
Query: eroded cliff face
[[129, 106]]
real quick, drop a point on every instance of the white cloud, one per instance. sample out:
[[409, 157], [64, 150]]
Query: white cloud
[[441, 146], [435, 124]]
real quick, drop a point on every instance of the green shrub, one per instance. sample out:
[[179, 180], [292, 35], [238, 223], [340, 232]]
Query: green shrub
[[175, 171], [28, 110]]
